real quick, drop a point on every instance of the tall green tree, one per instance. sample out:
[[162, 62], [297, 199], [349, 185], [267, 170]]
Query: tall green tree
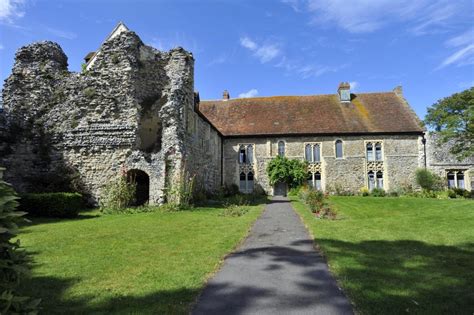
[[453, 118]]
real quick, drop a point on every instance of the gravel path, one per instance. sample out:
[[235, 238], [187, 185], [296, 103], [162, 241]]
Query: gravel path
[[275, 271]]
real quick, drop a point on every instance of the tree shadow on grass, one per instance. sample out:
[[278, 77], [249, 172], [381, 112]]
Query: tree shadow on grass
[[55, 300], [404, 276]]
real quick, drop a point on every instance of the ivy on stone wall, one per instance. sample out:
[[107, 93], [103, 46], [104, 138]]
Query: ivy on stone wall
[[291, 171]]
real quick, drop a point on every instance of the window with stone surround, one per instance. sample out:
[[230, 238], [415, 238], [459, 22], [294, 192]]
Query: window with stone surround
[[456, 179], [246, 182], [314, 180], [312, 152], [339, 153], [281, 148], [370, 152], [245, 154], [374, 151]]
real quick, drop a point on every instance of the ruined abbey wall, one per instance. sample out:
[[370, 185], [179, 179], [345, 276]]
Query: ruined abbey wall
[[127, 111]]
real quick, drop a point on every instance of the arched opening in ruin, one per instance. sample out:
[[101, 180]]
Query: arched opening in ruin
[[142, 180]]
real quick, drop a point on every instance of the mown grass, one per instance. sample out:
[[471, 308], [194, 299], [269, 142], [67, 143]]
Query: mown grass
[[144, 263], [400, 255]]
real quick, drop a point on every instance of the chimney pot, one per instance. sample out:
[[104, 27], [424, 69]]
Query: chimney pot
[[344, 91], [225, 95]]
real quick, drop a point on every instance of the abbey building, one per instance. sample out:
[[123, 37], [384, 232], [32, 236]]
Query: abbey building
[[133, 110]]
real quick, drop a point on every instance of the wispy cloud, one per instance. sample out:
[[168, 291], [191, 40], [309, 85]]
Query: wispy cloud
[[264, 52], [363, 16], [1, 47], [294, 4], [464, 55], [218, 60], [61, 33], [307, 70], [11, 10], [249, 93]]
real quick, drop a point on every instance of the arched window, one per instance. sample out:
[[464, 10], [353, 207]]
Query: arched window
[[460, 180], [380, 180], [250, 182], [370, 152], [316, 153], [338, 149], [308, 153], [281, 148], [451, 181], [378, 152], [250, 154], [242, 183], [317, 181], [371, 180]]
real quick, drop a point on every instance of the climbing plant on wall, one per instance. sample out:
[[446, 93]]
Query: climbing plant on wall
[[281, 169]]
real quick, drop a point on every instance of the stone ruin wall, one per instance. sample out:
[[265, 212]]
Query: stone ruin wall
[[127, 111]]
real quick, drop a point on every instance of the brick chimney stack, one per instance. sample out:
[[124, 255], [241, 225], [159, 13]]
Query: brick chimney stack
[[344, 91], [225, 95]]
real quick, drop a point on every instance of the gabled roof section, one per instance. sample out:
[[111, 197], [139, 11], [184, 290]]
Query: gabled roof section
[[385, 112], [121, 27]]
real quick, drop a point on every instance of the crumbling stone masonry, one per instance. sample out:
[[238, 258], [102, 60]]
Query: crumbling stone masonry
[[128, 111]]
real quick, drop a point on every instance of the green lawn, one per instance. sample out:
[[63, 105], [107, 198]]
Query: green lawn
[[147, 263], [400, 255]]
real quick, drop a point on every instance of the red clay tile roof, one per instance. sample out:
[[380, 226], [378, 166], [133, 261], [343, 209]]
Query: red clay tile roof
[[315, 114]]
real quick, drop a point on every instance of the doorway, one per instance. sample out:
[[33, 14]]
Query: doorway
[[142, 181]]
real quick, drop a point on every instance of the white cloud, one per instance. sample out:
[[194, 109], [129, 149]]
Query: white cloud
[[362, 16], [61, 33], [294, 4], [248, 43], [10, 10], [354, 85], [264, 52], [218, 60], [464, 55], [250, 93], [1, 47]]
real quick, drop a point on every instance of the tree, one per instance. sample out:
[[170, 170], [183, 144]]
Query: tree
[[453, 118], [282, 169], [13, 261]]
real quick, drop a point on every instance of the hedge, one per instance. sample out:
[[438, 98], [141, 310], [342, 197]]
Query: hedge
[[59, 205]]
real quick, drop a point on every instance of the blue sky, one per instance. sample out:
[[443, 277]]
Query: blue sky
[[263, 48]]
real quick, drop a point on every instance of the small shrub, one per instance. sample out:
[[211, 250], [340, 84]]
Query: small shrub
[[13, 261], [451, 193], [234, 211], [315, 200], [364, 191], [393, 193], [294, 191], [462, 192], [428, 180], [303, 192], [57, 205], [377, 192], [327, 212], [117, 195]]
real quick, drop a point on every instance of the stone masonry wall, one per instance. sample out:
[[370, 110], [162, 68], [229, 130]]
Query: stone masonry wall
[[126, 112], [400, 159], [440, 160]]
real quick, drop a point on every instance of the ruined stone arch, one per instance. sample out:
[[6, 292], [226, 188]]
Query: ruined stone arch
[[142, 181]]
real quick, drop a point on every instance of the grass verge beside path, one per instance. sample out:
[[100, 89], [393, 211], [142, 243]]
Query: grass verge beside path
[[400, 255], [145, 263]]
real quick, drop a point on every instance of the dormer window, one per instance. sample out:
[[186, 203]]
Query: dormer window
[[344, 91]]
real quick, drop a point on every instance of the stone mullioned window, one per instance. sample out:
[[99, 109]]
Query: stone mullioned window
[[312, 154], [246, 167], [374, 164]]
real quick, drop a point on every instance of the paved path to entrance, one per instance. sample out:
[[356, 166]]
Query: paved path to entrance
[[275, 271]]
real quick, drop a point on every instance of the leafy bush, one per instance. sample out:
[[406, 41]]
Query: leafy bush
[[292, 172], [182, 193], [377, 192], [393, 193], [294, 191], [318, 203], [58, 205], [428, 180], [462, 192], [13, 262], [117, 195]]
